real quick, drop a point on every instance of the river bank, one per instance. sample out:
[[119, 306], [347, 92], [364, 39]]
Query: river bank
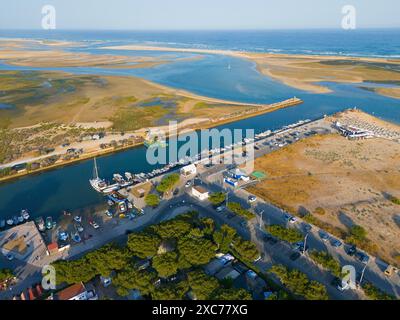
[[262, 109]]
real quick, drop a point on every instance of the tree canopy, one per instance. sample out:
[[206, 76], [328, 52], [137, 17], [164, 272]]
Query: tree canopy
[[217, 198], [286, 234], [196, 251], [224, 237], [239, 210], [133, 279], [152, 200], [298, 283], [143, 245], [168, 182], [247, 250], [6, 274], [231, 294], [202, 285], [166, 264]]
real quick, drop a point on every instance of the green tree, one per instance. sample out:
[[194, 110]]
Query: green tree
[[168, 182], [174, 291], [208, 226], [357, 234], [286, 234], [217, 198], [327, 261], [298, 283], [197, 251], [202, 285], [107, 259], [239, 210], [374, 293], [143, 245], [231, 294], [6, 274], [224, 237], [247, 250], [166, 264], [152, 200], [132, 279], [176, 228]]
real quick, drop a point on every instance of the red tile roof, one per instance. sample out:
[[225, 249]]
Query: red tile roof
[[71, 292]]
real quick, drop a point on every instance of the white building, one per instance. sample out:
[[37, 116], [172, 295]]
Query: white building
[[200, 193], [189, 170]]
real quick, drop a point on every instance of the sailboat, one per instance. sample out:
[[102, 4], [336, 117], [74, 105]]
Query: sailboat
[[98, 184]]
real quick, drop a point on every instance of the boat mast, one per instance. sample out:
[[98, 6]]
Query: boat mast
[[96, 172]]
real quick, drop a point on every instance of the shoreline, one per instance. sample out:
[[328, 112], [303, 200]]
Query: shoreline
[[282, 66], [109, 151]]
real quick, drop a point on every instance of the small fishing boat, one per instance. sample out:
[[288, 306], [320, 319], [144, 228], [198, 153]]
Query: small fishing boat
[[40, 224], [20, 219], [15, 219], [110, 203], [10, 222], [63, 236], [49, 223], [76, 237], [25, 214], [2, 223]]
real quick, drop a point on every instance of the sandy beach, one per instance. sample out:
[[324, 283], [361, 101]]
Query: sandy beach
[[303, 72]]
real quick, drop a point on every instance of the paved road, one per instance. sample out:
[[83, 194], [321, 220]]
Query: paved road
[[273, 215]]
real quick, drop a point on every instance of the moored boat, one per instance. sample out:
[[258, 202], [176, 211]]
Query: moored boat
[[25, 214], [2, 223], [49, 223], [10, 222], [40, 224]]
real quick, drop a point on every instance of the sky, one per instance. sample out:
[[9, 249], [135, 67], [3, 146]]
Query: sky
[[198, 14]]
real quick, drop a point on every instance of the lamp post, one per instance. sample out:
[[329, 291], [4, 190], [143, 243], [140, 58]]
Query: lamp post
[[362, 273], [261, 218], [305, 243]]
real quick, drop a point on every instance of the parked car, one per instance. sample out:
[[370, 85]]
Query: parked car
[[188, 184], [351, 251], [94, 224], [220, 209], [324, 236], [362, 257], [336, 243]]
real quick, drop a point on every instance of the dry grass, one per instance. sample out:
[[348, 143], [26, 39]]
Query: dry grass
[[350, 180]]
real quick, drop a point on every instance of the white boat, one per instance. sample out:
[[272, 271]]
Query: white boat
[[20, 219], [10, 222], [100, 185], [25, 214]]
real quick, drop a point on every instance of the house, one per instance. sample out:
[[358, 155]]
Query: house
[[52, 248], [200, 193], [227, 273], [189, 170], [75, 292]]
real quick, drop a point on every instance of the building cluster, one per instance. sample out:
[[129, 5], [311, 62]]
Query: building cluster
[[352, 132]]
